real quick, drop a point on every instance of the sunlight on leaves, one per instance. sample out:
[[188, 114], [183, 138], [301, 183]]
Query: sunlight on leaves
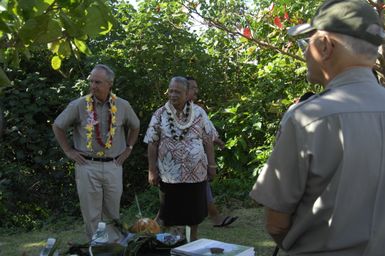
[[107, 29], [49, 1], [82, 46], [56, 62]]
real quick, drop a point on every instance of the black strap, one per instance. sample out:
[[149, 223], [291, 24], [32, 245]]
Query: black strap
[[99, 159], [275, 253]]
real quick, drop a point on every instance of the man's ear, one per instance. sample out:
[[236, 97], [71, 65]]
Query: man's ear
[[326, 46]]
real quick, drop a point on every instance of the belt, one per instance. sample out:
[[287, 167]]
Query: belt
[[99, 159]]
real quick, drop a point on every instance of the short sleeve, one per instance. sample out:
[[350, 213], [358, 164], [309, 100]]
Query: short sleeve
[[69, 116], [153, 130], [213, 132], [209, 131], [132, 119], [282, 181]]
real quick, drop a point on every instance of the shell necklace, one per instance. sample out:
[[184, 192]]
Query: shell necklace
[[175, 122]]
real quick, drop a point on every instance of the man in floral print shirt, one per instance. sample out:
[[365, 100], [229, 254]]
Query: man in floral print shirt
[[180, 156]]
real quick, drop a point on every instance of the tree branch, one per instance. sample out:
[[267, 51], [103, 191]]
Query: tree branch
[[221, 26]]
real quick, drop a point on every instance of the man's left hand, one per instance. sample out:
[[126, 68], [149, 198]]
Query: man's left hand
[[126, 153]]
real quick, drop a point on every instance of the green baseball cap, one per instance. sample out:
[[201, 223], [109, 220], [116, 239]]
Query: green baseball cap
[[355, 18]]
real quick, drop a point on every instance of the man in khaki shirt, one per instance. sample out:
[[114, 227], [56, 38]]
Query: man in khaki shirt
[[100, 147], [323, 186]]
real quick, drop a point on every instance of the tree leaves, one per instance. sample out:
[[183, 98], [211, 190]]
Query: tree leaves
[[95, 23], [40, 30], [82, 46], [4, 81], [56, 62], [53, 25], [31, 8]]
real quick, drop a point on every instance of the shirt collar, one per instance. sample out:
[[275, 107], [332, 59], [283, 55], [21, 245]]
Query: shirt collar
[[356, 75], [97, 101]]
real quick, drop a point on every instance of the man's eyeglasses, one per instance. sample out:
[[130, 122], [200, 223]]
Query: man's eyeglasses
[[303, 43]]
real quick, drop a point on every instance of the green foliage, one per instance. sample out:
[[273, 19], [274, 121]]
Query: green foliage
[[227, 192], [148, 201], [61, 26], [261, 80], [245, 84], [31, 169]]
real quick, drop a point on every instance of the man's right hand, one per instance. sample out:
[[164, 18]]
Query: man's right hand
[[153, 177], [211, 172], [75, 156], [220, 143]]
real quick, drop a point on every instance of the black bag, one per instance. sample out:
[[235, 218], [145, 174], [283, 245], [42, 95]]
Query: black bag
[[139, 245]]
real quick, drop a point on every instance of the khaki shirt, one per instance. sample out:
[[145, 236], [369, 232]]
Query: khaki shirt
[[327, 169], [75, 115]]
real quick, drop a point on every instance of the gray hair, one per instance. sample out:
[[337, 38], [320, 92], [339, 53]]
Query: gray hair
[[357, 46], [109, 72], [180, 80]]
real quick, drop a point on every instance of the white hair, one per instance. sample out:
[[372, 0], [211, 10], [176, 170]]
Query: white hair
[[109, 72], [356, 46], [180, 80]]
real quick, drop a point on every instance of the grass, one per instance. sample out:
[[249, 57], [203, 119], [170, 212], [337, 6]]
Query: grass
[[247, 230]]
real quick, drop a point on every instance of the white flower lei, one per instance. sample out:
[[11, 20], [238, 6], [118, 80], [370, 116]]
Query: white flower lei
[[170, 108]]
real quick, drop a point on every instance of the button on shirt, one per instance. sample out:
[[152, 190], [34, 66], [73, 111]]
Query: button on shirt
[[75, 114], [327, 169]]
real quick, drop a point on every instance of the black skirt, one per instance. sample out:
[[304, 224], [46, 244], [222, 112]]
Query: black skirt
[[183, 203]]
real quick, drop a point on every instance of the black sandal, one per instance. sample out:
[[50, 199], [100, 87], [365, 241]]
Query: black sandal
[[226, 221]]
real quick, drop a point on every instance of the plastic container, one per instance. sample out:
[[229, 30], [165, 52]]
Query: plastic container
[[49, 247], [101, 235]]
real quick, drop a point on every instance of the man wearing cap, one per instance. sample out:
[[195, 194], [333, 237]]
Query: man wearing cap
[[323, 186]]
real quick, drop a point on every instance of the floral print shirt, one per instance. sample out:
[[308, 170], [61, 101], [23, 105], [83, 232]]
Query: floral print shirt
[[184, 160]]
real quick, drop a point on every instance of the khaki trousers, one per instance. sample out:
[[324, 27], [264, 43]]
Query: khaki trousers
[[100, 187]]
